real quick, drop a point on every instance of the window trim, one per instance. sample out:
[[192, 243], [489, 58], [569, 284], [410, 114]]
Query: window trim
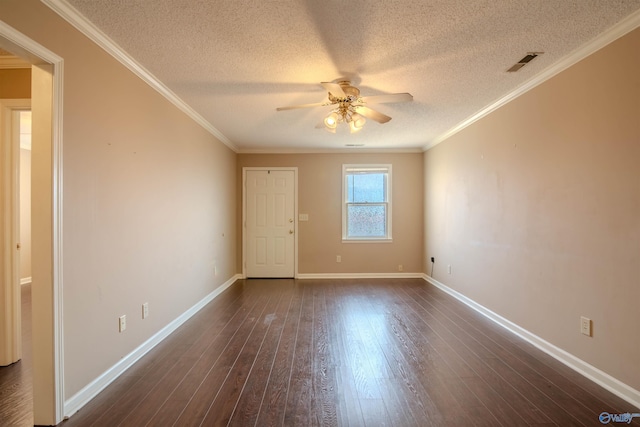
[[384, 168]]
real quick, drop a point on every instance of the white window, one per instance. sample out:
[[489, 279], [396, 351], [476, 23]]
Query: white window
[[366, 202]]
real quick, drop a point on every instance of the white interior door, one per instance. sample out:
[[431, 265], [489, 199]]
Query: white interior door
[[10, 304], [270, 223]]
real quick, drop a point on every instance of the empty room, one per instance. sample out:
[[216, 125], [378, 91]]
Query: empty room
[[298, 213]]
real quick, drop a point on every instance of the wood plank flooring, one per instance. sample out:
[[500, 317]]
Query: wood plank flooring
[[381, 352], [16, 385]]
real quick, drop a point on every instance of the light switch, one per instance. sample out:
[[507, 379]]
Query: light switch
[[303, 217]]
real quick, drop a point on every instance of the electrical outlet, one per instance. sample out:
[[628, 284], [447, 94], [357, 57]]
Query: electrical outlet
[[433, 259], [122, 323], [215, 271], [338, 258], [145, 310], [400, 267], [585, 326]]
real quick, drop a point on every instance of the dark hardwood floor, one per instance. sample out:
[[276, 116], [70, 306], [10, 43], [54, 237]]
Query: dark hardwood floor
[[16, 394], [345, 352]]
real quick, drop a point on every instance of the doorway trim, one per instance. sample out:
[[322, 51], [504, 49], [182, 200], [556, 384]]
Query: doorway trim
[[244, 214], [48, 369], [10, 148]]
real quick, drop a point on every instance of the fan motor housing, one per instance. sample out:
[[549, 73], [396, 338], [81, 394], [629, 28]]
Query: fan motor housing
[[348, 89], [352, 93]]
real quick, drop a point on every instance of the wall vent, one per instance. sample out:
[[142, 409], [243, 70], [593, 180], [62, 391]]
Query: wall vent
[[524, 61]]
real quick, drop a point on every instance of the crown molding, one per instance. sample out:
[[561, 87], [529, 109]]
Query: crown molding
[[290, 150], [86, 27], [623, 27]]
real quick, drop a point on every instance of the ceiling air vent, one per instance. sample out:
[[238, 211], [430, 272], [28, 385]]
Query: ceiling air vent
[[524, 61]]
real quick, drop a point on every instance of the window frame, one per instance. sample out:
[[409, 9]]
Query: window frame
[[364, 168]]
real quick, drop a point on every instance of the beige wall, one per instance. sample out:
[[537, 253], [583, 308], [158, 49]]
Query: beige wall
[[537, 209], [320, 193], [15, 83], [149, 202]]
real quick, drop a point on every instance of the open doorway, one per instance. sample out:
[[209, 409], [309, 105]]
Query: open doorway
[[16, 379], [46, 181], [10, 349]]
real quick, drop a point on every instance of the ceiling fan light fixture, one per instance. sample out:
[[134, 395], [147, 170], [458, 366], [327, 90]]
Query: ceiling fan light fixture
[[331, 121], [358, 120], [353, 128], [356, 123], [349, 107]]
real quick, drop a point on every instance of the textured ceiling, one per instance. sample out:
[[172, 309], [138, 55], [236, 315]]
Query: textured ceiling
[[234, 62]]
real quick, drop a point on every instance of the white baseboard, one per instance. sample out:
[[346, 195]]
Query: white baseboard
[[360, 276], [601, 378], [25, 281], [77, 401]]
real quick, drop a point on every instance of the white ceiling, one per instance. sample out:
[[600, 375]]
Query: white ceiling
[[234, 62]]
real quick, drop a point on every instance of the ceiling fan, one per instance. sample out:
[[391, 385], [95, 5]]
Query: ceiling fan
[[350, 107]]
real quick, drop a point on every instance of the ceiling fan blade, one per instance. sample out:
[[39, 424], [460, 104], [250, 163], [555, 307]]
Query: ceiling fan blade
[[293, 107], [335, 89], [381, 99], [372, 114]]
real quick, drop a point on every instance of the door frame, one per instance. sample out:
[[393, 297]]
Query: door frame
[[47, 336], [244, 214], [11, 309]]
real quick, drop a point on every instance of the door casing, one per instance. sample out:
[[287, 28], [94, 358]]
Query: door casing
[[10, 335], [47, 341]]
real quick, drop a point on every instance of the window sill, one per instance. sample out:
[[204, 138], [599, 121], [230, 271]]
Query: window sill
[[367, 240]]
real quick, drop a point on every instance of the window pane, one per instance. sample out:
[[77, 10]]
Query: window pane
[[366, 188], [366, 221]]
